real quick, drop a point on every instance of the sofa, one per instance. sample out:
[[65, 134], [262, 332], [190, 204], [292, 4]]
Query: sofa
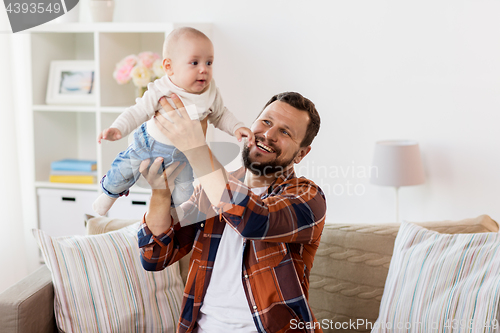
[[346, 282]]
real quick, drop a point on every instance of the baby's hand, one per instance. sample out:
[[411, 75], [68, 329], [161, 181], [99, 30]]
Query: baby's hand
[[245, 132], [110, 134]]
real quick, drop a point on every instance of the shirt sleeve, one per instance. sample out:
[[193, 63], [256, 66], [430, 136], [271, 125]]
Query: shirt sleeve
[[295, 215], [143, 110], [222, 118], [158, 252]]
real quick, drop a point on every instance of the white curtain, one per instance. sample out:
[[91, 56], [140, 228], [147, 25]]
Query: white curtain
[[12, 235]]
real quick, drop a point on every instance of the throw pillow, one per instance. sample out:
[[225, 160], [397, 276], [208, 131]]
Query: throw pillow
[[101, 286], [441, 283]]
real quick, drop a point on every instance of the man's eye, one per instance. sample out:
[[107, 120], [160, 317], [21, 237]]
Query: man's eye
[[267, 122], [285, 132]]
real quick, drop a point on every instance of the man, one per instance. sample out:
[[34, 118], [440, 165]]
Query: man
[[253, 233]]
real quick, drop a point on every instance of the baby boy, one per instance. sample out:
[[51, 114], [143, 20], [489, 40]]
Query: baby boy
[[188, 55]]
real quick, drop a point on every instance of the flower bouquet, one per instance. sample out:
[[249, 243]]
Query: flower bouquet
[[141, 69]]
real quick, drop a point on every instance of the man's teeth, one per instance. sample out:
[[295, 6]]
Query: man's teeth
[[264, 147]]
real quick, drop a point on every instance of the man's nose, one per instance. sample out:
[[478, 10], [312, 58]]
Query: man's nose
[[271, 133]]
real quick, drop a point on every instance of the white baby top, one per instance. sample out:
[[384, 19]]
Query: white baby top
[[208, 104]]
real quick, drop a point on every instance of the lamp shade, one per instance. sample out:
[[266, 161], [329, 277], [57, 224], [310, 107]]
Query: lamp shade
[[397, 163]]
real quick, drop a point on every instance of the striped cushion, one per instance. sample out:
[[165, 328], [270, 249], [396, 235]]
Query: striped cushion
[[441, 283], [101, 286]]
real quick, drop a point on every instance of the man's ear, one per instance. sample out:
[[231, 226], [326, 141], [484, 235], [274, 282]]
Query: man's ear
[[303, 151], [167, 66]]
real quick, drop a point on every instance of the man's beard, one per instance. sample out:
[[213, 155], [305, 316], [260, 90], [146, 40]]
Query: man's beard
[[274, 167]]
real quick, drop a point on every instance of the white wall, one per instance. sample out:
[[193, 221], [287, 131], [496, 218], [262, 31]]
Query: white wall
[[12, 236], [422, 70]]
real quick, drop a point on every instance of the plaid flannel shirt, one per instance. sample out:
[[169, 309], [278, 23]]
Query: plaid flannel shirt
[[282, 229]]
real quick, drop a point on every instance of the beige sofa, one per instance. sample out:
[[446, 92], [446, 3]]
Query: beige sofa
[[346, 282]]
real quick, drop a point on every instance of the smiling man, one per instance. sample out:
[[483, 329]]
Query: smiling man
[[253, 233]]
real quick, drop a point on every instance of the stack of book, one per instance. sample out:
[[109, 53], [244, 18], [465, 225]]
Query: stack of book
[[73, 171]]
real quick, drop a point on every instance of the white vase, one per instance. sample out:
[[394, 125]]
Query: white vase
[[102, 10]]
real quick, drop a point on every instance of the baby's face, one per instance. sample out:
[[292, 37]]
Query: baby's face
[[191, 64]]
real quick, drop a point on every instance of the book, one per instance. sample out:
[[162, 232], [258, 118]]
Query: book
[[74, 165], [73, 173], [75, 179]]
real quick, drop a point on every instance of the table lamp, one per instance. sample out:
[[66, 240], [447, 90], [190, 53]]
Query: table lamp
[[398, 163]]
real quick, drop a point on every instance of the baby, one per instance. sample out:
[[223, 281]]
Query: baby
[[188, 55]]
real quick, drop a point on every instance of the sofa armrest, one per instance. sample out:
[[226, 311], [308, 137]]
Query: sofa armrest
[[28, 306]]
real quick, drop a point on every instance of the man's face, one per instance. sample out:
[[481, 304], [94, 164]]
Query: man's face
[[279, 130], [190, 67]]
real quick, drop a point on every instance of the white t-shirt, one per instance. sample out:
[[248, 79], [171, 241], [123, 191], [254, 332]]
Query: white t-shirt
[[225, 307]]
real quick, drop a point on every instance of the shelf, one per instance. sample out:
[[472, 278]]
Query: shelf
[[117, 27], [64, 108], [67, 186], [85, 187], [113, 109], [78, 108], [104, 27]]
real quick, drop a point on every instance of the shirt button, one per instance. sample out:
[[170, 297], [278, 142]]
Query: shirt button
[[202, 225], [255, 307], [246, 276]]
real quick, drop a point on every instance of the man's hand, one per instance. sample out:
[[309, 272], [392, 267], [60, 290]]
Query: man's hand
[[184, 133], [163, 181], [110, 134], [158, 217], [247, 133]]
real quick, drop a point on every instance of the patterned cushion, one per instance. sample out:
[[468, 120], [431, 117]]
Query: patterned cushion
[[351, 266], [441, 282], [101, 286]]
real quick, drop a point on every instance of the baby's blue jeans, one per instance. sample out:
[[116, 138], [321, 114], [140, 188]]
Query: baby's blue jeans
[[124, 170]]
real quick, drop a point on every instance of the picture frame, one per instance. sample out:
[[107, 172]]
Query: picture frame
[[71, 82]]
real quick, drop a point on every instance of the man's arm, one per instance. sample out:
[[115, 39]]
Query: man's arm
[[295, 215], [158, 214], [160, 251], [160, 242], [187, 136]]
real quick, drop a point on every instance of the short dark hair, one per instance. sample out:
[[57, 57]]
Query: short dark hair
[[301, 103]]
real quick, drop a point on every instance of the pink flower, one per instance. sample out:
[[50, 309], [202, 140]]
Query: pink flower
[[122, 73], [130, 60], [148, 58]]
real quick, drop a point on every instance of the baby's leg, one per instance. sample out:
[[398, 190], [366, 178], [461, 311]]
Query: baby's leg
[[102, 204], [123, 174]]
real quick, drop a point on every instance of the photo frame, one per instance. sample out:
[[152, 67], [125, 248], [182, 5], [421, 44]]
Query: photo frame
[[71, 82]]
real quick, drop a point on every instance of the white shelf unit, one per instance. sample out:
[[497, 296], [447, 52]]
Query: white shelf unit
[[70, 131]]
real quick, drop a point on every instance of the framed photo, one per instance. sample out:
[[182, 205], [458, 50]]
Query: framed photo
[[71, 82]]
